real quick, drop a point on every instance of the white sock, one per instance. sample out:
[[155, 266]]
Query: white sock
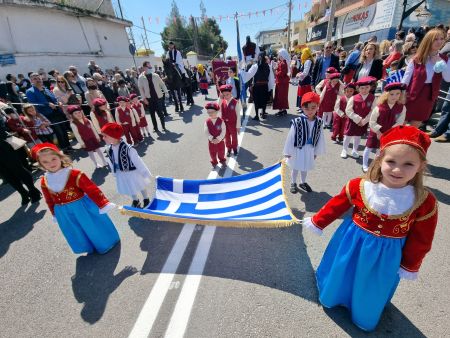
[[148, 130], [356, 141], [135, 197], [92, 157], [144, 194], [346, 142], [366, 155], [327, 118], [102, 157], [294, 176], [303, 176]]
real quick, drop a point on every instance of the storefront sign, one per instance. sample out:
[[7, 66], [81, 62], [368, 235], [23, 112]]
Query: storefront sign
[[358, 19], [319, 32], [7, 59]]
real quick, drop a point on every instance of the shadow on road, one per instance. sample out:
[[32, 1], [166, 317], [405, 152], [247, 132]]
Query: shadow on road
[[314, 200], [94, 281], [441, 196], [18, 226], [247, 161], [170, 136], [190, 112], [438, 172]]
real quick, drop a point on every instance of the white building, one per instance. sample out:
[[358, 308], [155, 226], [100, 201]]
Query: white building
[[274, 39], [49, 35]]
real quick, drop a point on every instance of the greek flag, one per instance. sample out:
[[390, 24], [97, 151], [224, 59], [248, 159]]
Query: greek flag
[[241, 63], [254, 200], [396, 76]]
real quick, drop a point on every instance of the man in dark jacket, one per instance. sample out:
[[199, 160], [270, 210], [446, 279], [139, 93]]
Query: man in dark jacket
[[328, 59]]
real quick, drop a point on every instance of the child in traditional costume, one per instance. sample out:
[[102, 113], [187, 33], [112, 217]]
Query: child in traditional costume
[[139, 108], [230, 109], [339, 117], [100, 114], [128, 119], [77, 204], [215, 130], [329, 90], [389, 112], [234, 82], [203, 80], [86, 135], [304, 75], [388, 235], [132, 175], [358, 111], [304, 142]]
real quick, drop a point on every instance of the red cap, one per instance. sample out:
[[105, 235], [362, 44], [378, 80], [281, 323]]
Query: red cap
[[212, 106], [331, 70], [132, 96], [38, 147], [226, 88], [406, 135], [334, 76], [73, 108], [122, 98], [350, 85], [310, 97], [366, 81], [99, 101], [394, 86], [113, 130]]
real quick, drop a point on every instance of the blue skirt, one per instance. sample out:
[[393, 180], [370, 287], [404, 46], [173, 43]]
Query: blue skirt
[[359, 271], [84, 228]]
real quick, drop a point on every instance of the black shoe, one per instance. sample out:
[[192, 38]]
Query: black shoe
[[305, 186], [294, 188], [264, 115], [156, 131], [177, 109], [228, 153], [164, 129], [256, 118], [145, 203], [36, 197], [235, 152], [434, 135], [165, 114], [280, 113], [136, 204], [25, 200]]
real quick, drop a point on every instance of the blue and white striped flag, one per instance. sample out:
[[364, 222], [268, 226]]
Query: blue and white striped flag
[[396, 76], [241, 63], [254, 200]]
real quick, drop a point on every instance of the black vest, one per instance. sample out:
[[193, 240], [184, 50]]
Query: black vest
[[124, 161], [302, 131]]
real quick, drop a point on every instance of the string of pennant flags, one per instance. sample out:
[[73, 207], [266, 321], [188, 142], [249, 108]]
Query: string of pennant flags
[[301, 6]]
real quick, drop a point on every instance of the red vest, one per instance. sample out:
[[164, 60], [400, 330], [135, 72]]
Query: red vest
[[229, 111], [363, 107], [125, 115], [214, 128], [329, 97], [102, 118], [388, 116], [343, 103], [418, 81], [85, 129], [137, 107]]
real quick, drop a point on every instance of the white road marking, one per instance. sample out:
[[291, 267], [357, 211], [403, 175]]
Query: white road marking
[[183, 308], [152, 305]]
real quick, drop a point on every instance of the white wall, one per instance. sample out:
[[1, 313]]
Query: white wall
[[51, 38]]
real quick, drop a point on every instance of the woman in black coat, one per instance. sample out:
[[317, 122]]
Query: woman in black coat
[[370, 63]]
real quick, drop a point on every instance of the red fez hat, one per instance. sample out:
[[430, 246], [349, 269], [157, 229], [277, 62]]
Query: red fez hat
[[226, 88], [334, 76], [113, 130], [331, 70], [406, 135], [99, 101], [366, 81], [73, 108], [310, 97], [350, 85], [212, 106], [132, 96], [39, 147], [122, 98], [394, 86]]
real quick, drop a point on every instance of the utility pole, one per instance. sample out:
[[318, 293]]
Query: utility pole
[[331, 21], [145, 33], [289, 28], [195, 32], [120, 9]]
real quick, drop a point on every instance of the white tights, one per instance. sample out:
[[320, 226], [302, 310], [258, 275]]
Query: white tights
[[326, 117], [366, 155], [100, 154], [144, 195], [356, 141], [294, 176], [145, 131]]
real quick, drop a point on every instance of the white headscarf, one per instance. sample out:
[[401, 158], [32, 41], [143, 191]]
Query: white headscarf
[[285, 55]]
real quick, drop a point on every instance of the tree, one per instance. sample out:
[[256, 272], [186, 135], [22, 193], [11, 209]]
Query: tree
[[178, 31], [209, 34], [202, 10]]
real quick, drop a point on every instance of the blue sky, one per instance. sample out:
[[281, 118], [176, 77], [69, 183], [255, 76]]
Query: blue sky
[[134, 9]]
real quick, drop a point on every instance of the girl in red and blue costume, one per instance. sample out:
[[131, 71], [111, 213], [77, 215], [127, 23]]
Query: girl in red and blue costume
[[388, 234]]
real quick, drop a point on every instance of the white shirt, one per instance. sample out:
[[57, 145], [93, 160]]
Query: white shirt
[[247, 76], [178, 59], [365, 69], [57, 181], [306, 69], [430, 72], [389, 201]]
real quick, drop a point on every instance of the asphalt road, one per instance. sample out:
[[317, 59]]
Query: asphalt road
[[171, 280]]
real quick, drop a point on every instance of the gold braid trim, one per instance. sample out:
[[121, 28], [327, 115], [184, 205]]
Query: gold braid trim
[[347, 191], [222, 223], [429, 215]]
